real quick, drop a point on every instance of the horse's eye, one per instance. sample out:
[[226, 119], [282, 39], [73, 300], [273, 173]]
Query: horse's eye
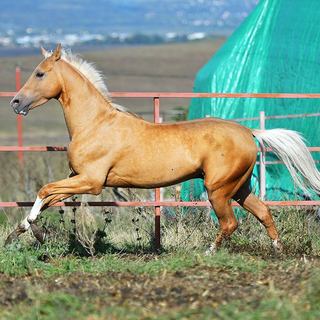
[[39, 74]]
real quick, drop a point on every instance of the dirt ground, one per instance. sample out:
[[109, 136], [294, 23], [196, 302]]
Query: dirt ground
[[191, 288]]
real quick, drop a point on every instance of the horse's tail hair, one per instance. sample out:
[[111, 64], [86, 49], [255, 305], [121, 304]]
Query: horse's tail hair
[[290, 148]]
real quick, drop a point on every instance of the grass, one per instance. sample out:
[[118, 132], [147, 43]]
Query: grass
[[41, 302], [124, 279], [29, 261]]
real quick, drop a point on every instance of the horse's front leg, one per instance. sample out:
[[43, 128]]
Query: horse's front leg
[[54, 192]]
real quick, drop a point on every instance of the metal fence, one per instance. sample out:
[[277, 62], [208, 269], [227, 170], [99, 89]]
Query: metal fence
[[158, 203]]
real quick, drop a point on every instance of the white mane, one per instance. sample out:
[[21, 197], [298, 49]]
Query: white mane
[[87, 69]]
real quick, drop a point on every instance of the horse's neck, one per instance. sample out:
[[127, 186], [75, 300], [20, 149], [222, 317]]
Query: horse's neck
[[82, 103]]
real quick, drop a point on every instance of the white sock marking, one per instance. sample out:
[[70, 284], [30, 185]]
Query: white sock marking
[[35, 210], [211, 250], [25, 224]]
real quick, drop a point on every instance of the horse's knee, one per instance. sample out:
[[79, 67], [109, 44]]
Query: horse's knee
[[93, 185], [44, 191], [95, 189]]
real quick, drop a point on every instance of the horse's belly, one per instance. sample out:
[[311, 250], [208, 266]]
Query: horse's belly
[[151, 177], [161, 163]]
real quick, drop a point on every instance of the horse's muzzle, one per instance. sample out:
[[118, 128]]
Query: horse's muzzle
[[20, 105]]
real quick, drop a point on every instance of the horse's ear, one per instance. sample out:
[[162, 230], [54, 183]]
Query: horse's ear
[[57, 52], [44, 52]]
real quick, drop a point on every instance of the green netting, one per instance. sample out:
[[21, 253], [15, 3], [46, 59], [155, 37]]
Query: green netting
[[276, 49]]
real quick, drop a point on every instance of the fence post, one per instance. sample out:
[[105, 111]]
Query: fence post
[[157, 235], [262, 159], [19, 118]]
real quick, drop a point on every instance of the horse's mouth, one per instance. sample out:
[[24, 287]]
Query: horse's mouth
[[23, 111]]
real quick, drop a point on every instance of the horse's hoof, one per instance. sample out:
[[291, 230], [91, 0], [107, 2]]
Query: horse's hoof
[[277, 246], [39, 233], [13, 236], [211, 250]]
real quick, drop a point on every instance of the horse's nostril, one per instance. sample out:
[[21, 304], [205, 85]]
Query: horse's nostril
[[15, 102]]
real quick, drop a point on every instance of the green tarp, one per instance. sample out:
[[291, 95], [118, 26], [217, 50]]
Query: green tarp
[[276, 49]]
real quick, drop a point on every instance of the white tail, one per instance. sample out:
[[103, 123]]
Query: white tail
[[290, 147]]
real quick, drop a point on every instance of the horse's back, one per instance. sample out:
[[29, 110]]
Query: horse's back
[[207, 139], [218, 133]]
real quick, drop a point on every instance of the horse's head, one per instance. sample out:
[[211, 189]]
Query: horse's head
[[42, 85]]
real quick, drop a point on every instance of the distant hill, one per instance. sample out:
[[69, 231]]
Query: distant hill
[[27, 23]]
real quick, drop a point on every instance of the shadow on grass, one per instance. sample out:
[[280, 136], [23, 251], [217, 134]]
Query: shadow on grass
[[103, 246]]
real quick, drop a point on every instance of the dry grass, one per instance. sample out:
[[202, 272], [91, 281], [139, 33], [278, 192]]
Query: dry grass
[[99, 231], [133, 228], [86, 229]]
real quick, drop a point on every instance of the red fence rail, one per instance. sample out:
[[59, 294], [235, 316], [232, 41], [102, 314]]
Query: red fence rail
[[157, 203]]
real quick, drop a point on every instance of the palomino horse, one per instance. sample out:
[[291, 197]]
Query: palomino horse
[[112, 148]]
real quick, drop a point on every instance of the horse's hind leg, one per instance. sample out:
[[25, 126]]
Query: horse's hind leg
[[261, 211], [227, 220]]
